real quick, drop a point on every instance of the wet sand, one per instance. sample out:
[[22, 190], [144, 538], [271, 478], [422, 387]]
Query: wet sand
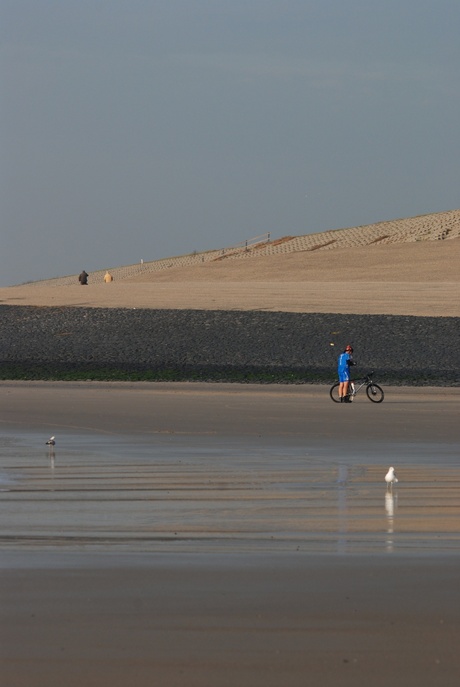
[[194, 534], [244, 621]]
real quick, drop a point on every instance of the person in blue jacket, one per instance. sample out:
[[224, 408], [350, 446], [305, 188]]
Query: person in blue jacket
[[343, 368]]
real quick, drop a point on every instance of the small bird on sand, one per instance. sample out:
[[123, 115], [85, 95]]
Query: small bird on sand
[[51, 441], [390, 477]]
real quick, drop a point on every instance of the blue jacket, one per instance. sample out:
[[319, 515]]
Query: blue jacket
[[345, 360]]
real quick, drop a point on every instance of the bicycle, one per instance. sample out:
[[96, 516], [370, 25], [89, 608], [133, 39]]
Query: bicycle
[[374, 391]]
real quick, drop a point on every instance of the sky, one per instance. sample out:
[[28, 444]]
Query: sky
[[144, 129]]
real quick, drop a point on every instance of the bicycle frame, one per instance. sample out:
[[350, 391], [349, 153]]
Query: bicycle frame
[[364, 382]]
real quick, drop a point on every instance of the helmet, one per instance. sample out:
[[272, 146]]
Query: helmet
[[348, 347]]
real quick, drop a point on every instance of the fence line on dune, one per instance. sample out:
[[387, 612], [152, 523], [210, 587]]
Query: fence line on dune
[[432, 227]]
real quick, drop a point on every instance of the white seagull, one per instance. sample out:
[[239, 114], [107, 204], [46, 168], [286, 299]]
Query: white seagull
[[51, 441], [390, 477]]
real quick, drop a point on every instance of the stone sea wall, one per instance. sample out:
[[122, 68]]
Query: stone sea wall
[[99, 343]]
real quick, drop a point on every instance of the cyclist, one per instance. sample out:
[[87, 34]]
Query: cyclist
[[343, 368]]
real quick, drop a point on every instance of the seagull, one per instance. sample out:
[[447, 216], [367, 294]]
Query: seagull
[[51, 441], [390, 477]]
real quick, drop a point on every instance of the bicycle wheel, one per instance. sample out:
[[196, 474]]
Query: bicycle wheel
[[334, 392], [374, 393]]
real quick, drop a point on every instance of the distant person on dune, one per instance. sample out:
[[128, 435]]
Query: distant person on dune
[[343, 369], [108, 277], [83, 278]]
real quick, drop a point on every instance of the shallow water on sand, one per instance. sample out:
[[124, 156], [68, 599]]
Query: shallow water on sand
[[173, 493]]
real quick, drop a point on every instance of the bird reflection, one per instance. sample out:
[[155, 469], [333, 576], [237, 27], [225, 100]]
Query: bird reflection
[[51, 444], [390, 509], [391, 503]]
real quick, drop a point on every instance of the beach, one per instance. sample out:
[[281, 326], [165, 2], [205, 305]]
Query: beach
[[215, 534], [210, 534]]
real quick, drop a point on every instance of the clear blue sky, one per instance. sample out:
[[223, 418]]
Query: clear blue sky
[[137, 129]]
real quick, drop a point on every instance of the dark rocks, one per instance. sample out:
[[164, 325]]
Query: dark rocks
[[106, 343]]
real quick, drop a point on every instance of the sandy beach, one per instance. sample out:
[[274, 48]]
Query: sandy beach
[[225, 534], [194, 534]]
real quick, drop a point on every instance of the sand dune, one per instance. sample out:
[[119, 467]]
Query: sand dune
[[404, 262], [419, 278]]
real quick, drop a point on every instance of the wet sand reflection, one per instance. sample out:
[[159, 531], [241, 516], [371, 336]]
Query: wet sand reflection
[[207, 497]]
